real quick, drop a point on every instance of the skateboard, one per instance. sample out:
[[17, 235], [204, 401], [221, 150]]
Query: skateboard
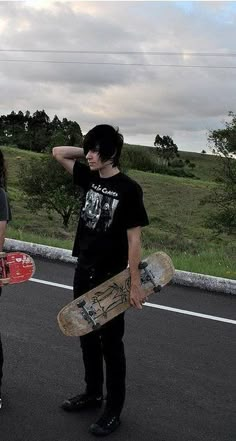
[[93, 309], [15, 268]]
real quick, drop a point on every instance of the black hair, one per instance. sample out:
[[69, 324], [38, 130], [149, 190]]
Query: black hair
[[2, 171], [106, 140]]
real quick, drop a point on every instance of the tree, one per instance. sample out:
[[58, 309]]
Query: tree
[[47, 185], [72, 132], [224, 196], [165, 148], [64, 132], [38, 131]]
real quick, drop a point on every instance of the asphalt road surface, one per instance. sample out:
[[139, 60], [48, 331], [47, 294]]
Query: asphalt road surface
[[180, 365]]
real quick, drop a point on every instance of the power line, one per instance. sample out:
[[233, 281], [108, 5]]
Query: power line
[[183, 53], [117, 64]]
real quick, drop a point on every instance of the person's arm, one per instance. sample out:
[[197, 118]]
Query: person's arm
[[67, 155], [137, 294], [3, 227]]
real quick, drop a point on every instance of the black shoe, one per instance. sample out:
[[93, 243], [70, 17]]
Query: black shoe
[[82, 401], [106, 424]]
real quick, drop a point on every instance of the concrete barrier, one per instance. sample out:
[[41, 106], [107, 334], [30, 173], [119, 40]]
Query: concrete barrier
[[202, 281]]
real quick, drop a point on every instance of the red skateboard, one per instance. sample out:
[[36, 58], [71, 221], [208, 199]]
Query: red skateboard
[[15, 268]]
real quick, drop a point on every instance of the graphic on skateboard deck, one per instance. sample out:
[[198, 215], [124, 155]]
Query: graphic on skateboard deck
[[15, 268], [104, 302]]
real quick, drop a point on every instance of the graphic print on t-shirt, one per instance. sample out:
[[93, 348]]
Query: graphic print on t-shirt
[[99, 209]]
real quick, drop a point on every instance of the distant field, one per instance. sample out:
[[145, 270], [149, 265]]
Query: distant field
[[173, 204]]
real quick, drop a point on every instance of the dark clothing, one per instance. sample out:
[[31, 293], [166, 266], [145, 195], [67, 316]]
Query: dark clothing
[[104, 344], [1, 357], [5, 215], [111, 206], [5, 212]]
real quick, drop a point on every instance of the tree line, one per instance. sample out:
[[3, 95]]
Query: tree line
[[37, 132]]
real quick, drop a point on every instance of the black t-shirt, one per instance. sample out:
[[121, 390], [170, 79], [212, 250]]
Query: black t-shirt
[[111, 206]]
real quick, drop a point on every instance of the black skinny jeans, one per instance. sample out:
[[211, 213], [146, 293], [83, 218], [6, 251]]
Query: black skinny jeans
[[1, 354], [1, 362], [104, 344]]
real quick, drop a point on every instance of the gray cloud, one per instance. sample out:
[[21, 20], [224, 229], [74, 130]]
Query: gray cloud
[[143, 101]]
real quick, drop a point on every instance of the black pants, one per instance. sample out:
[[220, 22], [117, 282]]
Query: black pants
[[1, 355], [1, 362], [105, 344]]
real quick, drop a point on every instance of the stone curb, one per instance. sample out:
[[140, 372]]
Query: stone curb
[[209, 283]]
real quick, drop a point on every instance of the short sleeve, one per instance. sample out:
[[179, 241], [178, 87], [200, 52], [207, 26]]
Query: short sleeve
[[5, 213], [136, 215], [81, 175]]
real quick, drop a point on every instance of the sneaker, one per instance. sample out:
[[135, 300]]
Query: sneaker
[[105, 425], [82, 401]]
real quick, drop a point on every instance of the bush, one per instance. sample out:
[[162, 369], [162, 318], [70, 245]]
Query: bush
[[145, 159], [139, 158]]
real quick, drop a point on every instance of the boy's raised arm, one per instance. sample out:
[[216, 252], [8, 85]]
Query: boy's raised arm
[[67, 155]]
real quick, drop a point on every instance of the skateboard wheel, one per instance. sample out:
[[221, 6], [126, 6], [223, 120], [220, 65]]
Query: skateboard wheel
[[142, 265], [81, 304], [157, 288]]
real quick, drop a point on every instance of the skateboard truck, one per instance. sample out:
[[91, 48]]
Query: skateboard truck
[[143, 266], [88, 314]]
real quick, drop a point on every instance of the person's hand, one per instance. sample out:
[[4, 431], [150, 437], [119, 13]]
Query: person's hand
[[137, 296]]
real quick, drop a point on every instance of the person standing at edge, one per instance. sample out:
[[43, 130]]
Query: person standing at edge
[[5, 216], [107, 239]]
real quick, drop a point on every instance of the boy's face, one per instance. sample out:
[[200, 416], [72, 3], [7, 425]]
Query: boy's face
[[95, 162]]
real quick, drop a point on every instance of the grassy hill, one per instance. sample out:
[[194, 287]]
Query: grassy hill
[[205, 164], [177, 219]]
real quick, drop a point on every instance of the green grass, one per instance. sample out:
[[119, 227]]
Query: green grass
[[206, 165], [18, 234], [177, 218]]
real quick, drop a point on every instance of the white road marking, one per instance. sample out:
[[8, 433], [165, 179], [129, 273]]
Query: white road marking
[[45, 282], [150, 305], [195, 314]]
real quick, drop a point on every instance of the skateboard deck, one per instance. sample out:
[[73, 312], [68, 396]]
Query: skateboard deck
[[104, 302], [15, 268]]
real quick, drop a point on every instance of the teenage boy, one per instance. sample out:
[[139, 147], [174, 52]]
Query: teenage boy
[[107, 239]]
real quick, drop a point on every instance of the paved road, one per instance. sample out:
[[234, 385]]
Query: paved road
[[181, 368]]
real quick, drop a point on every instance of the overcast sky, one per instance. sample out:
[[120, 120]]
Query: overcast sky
[[182, 102]]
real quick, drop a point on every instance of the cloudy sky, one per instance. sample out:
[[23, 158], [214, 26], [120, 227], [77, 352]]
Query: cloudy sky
[[147, 67]]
